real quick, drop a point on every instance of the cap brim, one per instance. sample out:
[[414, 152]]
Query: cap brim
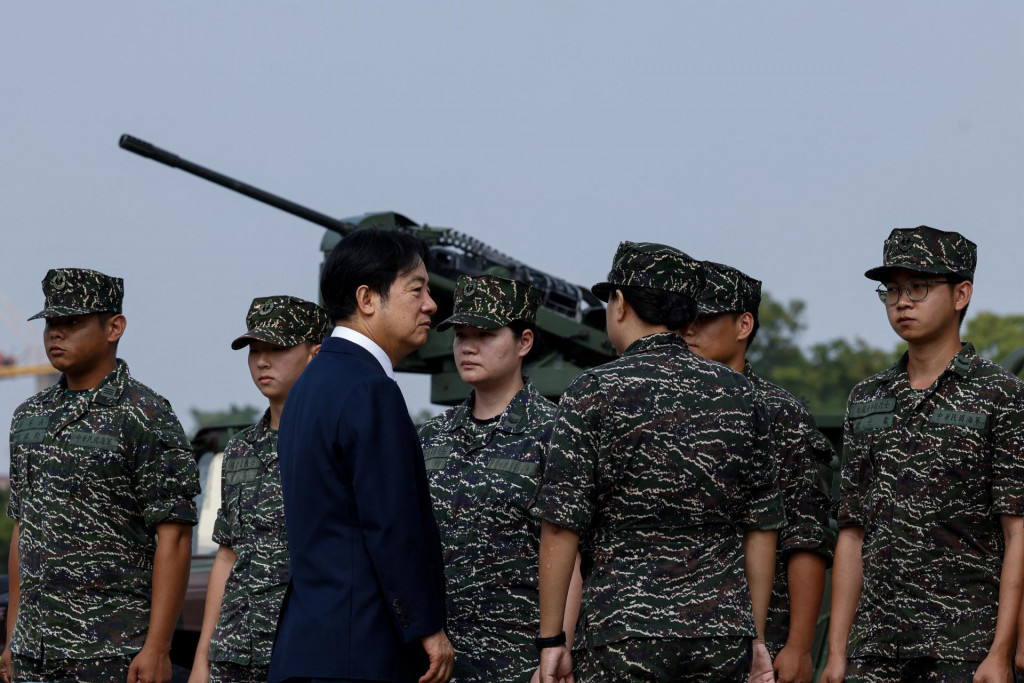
[[472, 320], [602, 290], [63, 312], [269, 336], [881, 273]]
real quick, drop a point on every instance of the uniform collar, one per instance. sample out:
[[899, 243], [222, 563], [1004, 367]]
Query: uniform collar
[[262, 427], [961, 364], [654, 341], [513, 420], [107, 392]]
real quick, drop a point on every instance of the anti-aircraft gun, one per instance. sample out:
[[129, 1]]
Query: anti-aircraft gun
[[570, 321]]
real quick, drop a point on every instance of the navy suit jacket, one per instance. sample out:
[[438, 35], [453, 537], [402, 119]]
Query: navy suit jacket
[[367, 577]]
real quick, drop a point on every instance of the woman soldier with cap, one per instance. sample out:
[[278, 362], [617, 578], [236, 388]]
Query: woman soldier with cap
[[483, 460], [659, 471], [249, 574]]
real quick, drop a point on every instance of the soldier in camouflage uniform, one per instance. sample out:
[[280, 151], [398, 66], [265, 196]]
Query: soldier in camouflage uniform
[[723, 332], [660, 471], [100, 472], [483, 460], [930, 557], [250, 571]]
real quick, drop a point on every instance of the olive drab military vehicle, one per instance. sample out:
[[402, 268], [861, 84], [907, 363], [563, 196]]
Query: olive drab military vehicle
[[570, 321]]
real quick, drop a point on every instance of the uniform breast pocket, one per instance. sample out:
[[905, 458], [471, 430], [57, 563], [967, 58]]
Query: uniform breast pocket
[[961, 439], [511, 482]]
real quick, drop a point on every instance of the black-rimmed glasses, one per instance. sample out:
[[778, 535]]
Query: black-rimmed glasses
[[916, 290]]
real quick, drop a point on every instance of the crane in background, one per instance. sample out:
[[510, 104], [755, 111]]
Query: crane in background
[[30, 362]]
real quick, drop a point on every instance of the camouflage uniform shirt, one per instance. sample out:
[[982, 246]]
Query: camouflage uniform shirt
[[483, 478], [927, 474], [250, 521], [92, 473], [803, 455], [659, 459]]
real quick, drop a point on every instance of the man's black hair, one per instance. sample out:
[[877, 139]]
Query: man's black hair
[[374, 257], [657, 307]]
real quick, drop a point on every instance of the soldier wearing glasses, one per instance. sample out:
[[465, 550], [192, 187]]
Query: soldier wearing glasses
[[930, 557]]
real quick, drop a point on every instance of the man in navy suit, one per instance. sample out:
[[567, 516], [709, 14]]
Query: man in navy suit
[[365, 599]]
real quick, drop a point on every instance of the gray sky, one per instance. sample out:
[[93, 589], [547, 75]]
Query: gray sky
[[786, 139]]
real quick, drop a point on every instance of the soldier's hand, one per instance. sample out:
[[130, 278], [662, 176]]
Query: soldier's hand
[[200, 671], [556, 665], [793, 665], [442, 657], [150, 666], [5, 665], [835, 669], [994, 670], [761, 665]]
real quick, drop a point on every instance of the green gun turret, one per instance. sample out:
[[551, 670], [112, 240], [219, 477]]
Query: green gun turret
[[570, 321]]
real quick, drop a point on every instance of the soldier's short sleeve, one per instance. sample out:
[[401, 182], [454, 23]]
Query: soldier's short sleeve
[[568, 489], [1007, 439], [222, 527], [855, 476], [759, 500], [166, 476], [804, 456]]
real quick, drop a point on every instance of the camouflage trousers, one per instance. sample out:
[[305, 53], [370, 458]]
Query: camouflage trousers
[[492, 655], [229, 672], [917, 670], [112, 670], [700, 660]]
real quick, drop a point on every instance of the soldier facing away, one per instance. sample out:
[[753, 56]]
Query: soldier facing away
[[249, 574], [723, 332], [484, 459], [102, 488], [930, 557], [660, 471]]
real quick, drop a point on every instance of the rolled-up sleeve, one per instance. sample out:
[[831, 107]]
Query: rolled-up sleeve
[[1008, 457], [166, 476], [759, 504], [856, 472], [804, 455]]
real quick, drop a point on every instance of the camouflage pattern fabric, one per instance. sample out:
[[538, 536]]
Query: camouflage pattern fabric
[[728, 290], [229, 672], [92, 474], [803, 455], [284, 321], [680, 660], [490, 302], [920, 670], [659, 460], [109, 670], [250, 521], [79, 291], [483, 478], [655, 266], [927, 474], [927, 250]]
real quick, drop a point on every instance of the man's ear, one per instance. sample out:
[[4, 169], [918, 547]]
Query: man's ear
[[962, 293], [744, 326], [313, 350], [367, 300], [115, 327]]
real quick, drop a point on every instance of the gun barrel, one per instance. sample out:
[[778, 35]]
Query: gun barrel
[[150, 151]]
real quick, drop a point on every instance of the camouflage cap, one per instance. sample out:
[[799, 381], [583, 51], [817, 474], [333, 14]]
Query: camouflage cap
[[927, 250], [490, 302], [654, 266], [80, 291], [284, 321], [728, 290]]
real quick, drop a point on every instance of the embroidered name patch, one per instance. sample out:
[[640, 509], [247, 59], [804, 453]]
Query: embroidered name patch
[[880, 405], [89, 440], [35, 422], [528, 469], [241, 470], [28, 436], [873, 422], [960, 418]]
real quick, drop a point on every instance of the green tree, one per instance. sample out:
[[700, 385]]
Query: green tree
[[994, 335]]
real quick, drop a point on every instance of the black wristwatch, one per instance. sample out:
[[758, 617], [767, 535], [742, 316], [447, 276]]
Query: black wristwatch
[[553, 641]]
